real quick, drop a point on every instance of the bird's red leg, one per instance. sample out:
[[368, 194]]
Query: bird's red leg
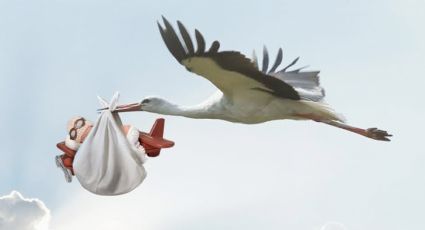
[[373, 133]]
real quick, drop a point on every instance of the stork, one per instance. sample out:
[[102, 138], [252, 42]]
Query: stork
[[246, 94]]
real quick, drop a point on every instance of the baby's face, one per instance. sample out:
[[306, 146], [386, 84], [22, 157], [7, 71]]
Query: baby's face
[[78, 129]]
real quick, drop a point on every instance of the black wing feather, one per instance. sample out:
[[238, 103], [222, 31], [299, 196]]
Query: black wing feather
[[201, 42], [265, 60], [173, 43], [186, 38], [277, 61], [214, 47], [290, 64]]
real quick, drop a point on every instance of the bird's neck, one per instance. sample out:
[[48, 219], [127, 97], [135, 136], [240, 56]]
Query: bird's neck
[[197, 111]]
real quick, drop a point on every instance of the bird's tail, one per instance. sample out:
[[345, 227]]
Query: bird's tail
[[325, 111]]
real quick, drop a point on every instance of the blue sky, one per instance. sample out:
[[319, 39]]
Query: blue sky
[[56, 56]]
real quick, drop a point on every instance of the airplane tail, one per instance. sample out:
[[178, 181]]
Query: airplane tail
[[157, 129], [154, 141]]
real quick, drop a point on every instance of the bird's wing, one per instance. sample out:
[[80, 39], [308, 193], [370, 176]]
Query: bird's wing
[[306, 83], [230, 71]]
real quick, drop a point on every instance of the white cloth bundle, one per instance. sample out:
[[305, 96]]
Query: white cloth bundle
[[107, 163]]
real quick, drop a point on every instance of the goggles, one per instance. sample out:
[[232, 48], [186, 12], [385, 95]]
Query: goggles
[[78, 124]]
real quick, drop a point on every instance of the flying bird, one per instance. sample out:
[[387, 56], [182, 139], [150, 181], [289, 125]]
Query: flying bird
[[246, 93]]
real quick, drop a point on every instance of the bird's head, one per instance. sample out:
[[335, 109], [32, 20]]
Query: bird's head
[[149, 104], [152, 104]]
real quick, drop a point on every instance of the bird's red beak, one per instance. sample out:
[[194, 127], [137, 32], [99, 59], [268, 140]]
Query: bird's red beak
[[126, 108]]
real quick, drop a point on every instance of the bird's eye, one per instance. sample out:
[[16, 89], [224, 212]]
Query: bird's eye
[[145, 101]]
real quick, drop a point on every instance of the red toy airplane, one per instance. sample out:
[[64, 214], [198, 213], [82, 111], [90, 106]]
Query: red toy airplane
[[153, 141]]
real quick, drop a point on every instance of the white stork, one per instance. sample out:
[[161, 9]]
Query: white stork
[[246, 93]]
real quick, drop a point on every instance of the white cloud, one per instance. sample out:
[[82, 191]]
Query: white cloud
[[333, 226], [19, 213]]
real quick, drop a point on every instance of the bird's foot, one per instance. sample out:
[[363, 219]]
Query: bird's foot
[[378, 134]]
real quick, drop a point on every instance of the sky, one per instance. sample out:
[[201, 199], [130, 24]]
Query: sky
[[56, 56]]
